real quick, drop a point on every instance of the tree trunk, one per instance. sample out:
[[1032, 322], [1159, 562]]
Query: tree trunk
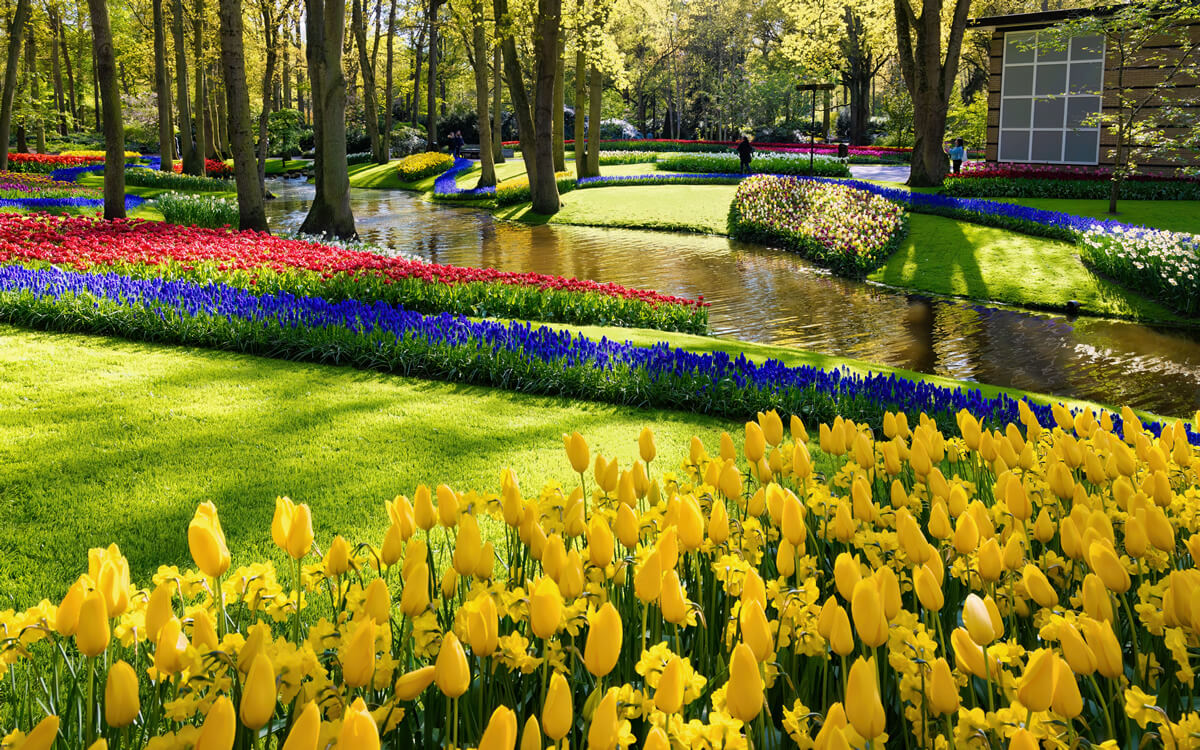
[[220, 117], [596, 97], [581, 102], [370, 108], [285, 71], [114, 129], [560, 105], [95, 90], [543, 188], [416, 97], [517, 92], [389, 94], [73, 102], [271, 40], [60, 99], [431, 85], [35, 92], [201, 99], [330, 212], [487, 177], [497, 105], [189, 150], [162, 85], [856, 76], [251, 214]]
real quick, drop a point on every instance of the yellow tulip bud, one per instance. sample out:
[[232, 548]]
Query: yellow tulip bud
[[219, 727], [941, 689], [1067, 701], [691, 524], [730, 482], [846, 574], [991, 561], [673, 601], [66, 619], [423, 511], [204, 631], [206, 541], [939, 522], [966, 535], [258, 693], [889, 592], [467, 546], [1096, 602], [605, 635], [969, 656], [756, 631], [412, 684], [337, 559], [307, 729], [772, 426], [1043, 527], [1104, 644], [121, 702], [656, 739], [1080, 658], [1014, 553], [170, 650], [1022, 739], [281, 522], [929, 591], [977, 620], [801, 461], [545, 608], [1038, 586], [647, 583], [577, 452], [447, 506], [449, 583], [557, 711], [841, 641], [92, 634], [756, 443], [668, 696], [414, 599], [158, 610], [744, 694], [501, 731], [1105, 563], [718, 523], [600, 543], [831, 736], [1036, 688], [864, 708], [646, 447], [358, 654], [867, 610], [604, 731], [531, 736], [42, 736], [627, 526], [378, 602], [358, 728], [452, 673]]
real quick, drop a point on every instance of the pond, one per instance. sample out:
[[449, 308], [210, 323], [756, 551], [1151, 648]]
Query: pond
[[769, 296]]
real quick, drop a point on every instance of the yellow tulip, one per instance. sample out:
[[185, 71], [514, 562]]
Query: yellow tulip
[[627, 526], [1107, 649], [1077, 653], [605, 634], [449, 583], [864, 708], [42, 736], [939, 522], [558, 712], [452, 673], [423, 510], [1036, 688], [378, 602], [1022, 739], [756, 632], [846, 574], [730, 482], [204, 631], [577, 452], [206, 541], [1038, 586], [929, 591], [414, 599], [772, 426], [337, 559], [258, 694], [668, 696], [1107, 565], [605, 728], [292, 528], [841, 640], [867, 610], [482, 627], [969, 656], [673, 601], [358, 654], [219, 727], [531, 735], [966, 534], [656, 739], [92, 634], [256, 639], [447, 506], [307, 729], [600, 543], [113, 581], [66, 620], [978, 620], [831, 737], [158, 610], [756, 443], [942, 689], [646, 448], [744, 695], [545, 608], [358, 728], [991, 561], [501, 731], [412, 684], [170, 650], [1067, 701], [121, 702], [691, 524]]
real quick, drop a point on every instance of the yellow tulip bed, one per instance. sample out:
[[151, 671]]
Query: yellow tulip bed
[[417, 166], [899, 587]]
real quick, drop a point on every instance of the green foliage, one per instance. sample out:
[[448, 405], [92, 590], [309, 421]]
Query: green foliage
[[197, 210], [152, 178], [283, 132], [968, 120], [609, 158]]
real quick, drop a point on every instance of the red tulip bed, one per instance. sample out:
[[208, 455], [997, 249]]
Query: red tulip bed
[[990, 180], [46, 163], [212, 168], [267, 264]]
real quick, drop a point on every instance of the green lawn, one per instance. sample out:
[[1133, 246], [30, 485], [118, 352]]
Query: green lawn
[[1177, 216]]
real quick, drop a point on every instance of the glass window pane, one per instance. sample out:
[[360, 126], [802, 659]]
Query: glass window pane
[[1014, 145], [1015, 113], [1049, 52], [1083, 147], [1086, 77], [1018, 48], [1048, 113], [1081, 111], [1046, 146], [1018, 81], [1087, 48], [1051, 79]]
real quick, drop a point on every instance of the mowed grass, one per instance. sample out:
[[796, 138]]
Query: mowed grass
[[687, 208], [949, 257], [104, 440], [1177, 216]]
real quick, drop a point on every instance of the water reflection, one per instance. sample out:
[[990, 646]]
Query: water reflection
[[768, 296]]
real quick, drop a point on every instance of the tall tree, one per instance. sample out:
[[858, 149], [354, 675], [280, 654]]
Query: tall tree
[[516, 87], [370, 109], [487, 177], [270, 18], [114, 127], [560, 106], [418, 49], [930, 80], [73, 104], [330, 212], [581, 102], [35, 110], [497, 103], [251, 214], [60, 104], [431, 93], [203, 132], [389, 93], [16, 28], [191, 149], [162, 89], [542, 184]]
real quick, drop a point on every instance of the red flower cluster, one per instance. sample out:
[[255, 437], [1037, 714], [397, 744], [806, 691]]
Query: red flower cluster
[[212, 168], [1059, 172], [53, 160], [84, 243], [762, 146]]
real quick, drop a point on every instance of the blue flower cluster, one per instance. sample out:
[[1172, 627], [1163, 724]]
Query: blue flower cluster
[[515, 354], [446, 186], [38, 204]]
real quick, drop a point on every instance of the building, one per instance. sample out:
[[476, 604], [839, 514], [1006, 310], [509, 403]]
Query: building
[[1042, 99]]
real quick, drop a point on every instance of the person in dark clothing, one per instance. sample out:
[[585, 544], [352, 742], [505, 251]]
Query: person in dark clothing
[[745, 152]]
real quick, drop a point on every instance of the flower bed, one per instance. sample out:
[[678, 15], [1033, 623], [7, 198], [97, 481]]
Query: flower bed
[[446, 187], [197, 210], [153, 178], [660, 179], [46, 163], [609, 158], [212, 167], [98, 153], [768, 163], [516, 190], [1089, 188], [850, 231], [758, 595], [255, 261], [34, 185], [419, 166], [1158, 264]]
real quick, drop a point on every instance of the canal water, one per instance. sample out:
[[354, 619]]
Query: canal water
[[770, 296]]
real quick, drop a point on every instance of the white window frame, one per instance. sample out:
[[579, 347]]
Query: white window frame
[[1032, 98]]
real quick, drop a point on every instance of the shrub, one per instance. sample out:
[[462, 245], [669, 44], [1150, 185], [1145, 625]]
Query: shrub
[[152, 178], [516, 190], [420, 166], [763, 162], [212, 168], [197, 210], [1161, 265], [407, 141], [850, 231], [363, 157]]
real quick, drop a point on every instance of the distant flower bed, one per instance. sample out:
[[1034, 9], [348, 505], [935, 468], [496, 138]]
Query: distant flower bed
[[763, 162], [97, 153], [446, 186], [848, 230], [627, 157], [197, 210], [34, 185], [212, 168], [1138, 187], [516, 190], [420, 166], [153, 178], [256, 261], [660, 178], [1161, 265], [46, 163]]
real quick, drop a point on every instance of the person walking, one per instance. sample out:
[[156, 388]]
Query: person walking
[[958, 153], [745, 152]]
